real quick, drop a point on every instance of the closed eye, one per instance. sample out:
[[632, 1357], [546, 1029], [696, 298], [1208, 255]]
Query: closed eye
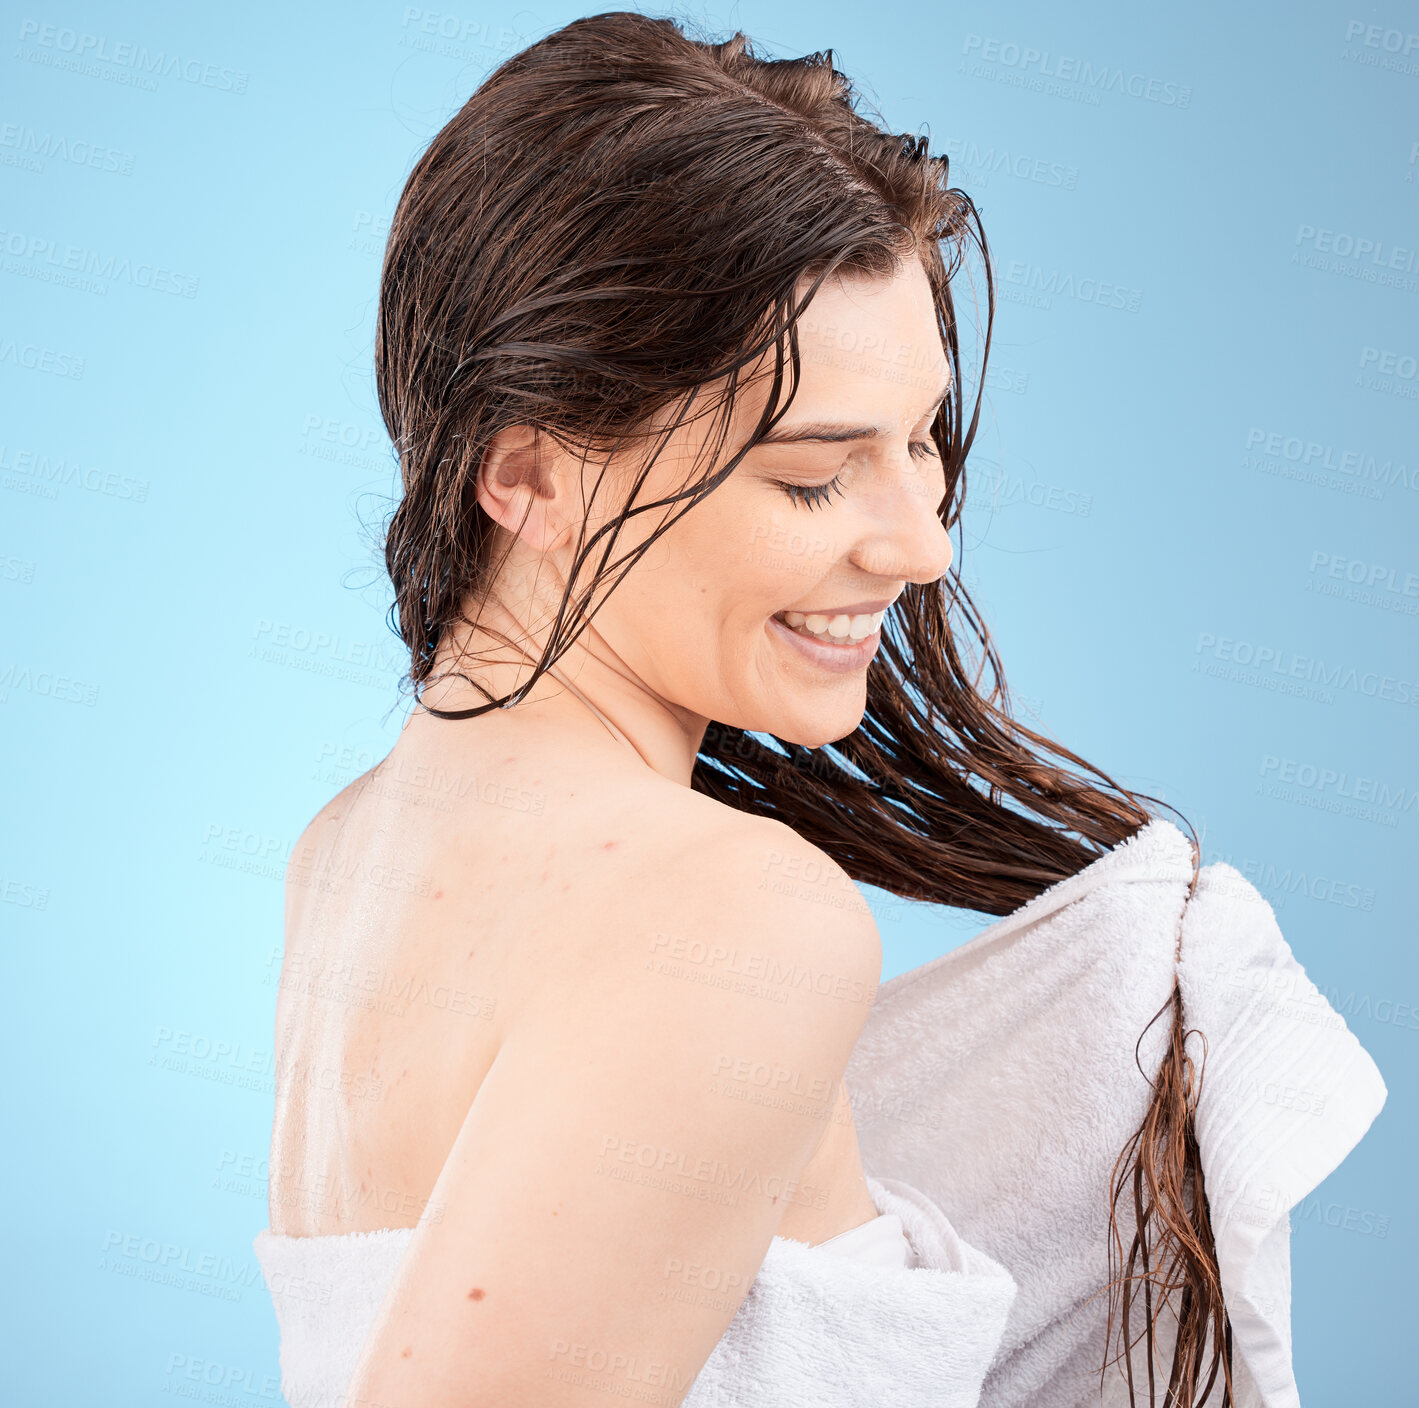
[[812, 495]]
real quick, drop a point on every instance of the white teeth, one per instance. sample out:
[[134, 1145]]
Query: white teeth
[[838, 630]]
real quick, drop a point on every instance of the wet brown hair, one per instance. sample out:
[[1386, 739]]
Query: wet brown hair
[[620, 215]]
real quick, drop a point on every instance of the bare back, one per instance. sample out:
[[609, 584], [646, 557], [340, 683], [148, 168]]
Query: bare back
[[475, 870]]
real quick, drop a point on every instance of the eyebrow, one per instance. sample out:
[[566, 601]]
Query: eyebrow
[[833, 433]]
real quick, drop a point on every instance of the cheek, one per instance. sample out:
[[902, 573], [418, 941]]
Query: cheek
[[787, 551], [716, 576], [730, 554], [770, 554], [691, 585]]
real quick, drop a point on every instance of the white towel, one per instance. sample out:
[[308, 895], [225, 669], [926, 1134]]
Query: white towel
[[1000, 1080], [993, 1089], [823, 1331], [817, 1329]]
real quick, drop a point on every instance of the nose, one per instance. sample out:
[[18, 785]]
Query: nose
[[905, 537]]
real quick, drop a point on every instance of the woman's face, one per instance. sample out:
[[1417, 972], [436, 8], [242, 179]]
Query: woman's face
[[759, 606], [829, 522]]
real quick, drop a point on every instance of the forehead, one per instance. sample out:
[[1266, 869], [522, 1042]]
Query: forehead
[[874, 320], [868, 348], [870, 351]]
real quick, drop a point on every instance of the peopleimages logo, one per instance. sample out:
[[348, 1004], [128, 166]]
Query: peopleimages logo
[[1333, 782], [1064, 68], [1274, 667], [1377, 47], [1039, 287], [1361, 247], [58, 46], [1400, 364], [1393, 373], [37, 256], [980, 163], [1376, 36], [32, 149], [1299, 450]]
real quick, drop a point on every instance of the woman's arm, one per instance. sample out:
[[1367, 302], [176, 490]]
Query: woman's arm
[[611, 1196]]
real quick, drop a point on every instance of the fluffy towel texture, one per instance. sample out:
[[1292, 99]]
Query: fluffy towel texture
[[326, 1292], [816, 1328], [823, 1331], [1000, 1080], [880, 1242], [993, 1088]]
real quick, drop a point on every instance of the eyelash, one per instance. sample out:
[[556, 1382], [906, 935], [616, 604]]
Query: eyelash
[[812, 495]]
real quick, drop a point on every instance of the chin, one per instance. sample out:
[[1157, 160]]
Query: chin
[[823, 725]]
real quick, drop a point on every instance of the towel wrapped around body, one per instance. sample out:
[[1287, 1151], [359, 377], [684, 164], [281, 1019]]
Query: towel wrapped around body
[[1002, 1081], [993, 1089]]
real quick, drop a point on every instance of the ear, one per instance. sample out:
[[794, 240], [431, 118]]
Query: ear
[[524, 485]]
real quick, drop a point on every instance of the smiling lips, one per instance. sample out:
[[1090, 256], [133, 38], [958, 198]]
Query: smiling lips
[[839, 628]]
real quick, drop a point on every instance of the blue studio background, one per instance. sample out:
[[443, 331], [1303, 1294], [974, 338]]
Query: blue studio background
[[1192, 530]]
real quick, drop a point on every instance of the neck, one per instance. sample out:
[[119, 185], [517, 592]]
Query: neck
[[588, 693]]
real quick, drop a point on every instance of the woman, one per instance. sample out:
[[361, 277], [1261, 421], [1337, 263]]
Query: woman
[[669, 352]]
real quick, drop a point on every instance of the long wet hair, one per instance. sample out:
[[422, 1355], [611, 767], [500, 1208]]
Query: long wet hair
[[618, 217]]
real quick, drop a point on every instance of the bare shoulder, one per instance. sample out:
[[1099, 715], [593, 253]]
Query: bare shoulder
[[330, 817], [761, 873], [706, 899], [309, 857], [621, 1133]]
